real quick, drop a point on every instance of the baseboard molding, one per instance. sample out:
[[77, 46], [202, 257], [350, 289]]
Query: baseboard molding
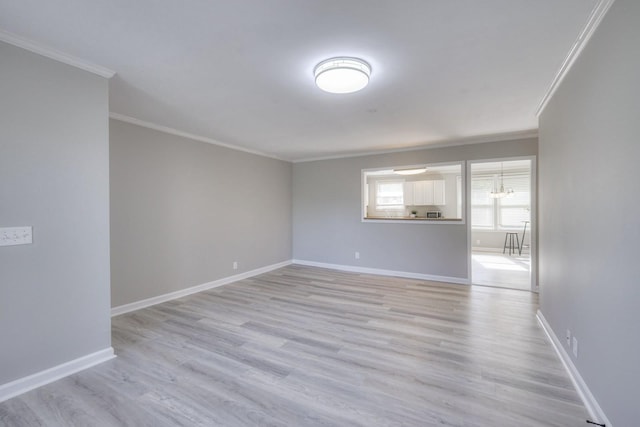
[[485, 249], [126, 308], [494, 250], [594, 409], [23, 385], [381, 272]]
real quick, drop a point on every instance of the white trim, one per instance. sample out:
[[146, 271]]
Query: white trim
[[23, 385], [533, 226], [126, 308], [400, 220], [172, 131], [54, 54], [482, 249], [594, 409], [533, 223], [485, 249], [590, 27], [380, 272], [480, 139]]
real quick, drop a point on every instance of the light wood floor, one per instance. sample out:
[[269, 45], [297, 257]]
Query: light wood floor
[[305, 346], [504, 271]]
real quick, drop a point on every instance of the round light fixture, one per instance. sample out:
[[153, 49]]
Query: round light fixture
[[410, 171], [342, 75]]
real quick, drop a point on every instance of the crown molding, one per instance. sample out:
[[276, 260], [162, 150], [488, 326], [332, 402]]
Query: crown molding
[[480, 139], [176, 132], [509, 136], [56, 55], [597, 14]]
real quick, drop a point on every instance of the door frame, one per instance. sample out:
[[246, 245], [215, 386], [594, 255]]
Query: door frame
[[533, 229]]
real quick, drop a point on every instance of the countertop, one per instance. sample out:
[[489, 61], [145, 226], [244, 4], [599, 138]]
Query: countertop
[[407, 218]]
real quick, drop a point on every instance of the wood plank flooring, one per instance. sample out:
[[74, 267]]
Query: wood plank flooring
[[304, 346]]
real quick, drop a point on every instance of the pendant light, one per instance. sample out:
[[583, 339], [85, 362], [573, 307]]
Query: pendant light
[[502, 193]]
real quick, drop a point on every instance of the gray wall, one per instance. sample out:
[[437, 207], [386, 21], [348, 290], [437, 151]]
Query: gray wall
[[182, 211], [327, 223], [54, 176], [589, 269]]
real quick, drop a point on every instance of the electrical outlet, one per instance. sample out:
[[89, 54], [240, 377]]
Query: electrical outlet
[[10, 236], [575, 347], [357, 255], [478, 242], [568, 337], [235, 265]]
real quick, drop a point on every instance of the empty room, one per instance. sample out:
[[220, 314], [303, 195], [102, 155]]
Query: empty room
[[287, 213]]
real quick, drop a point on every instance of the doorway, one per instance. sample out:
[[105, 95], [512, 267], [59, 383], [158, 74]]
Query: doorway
[[502, 223]]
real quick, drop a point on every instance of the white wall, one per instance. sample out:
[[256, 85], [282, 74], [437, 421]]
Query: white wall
[[327, 211], [495, 239], [54, 176], [183, 211], [589, 269]]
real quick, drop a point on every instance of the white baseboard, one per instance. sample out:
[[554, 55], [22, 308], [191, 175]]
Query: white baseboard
[[594, 409], [494, 250], [23, 385], [126, 308], [380, 272], [485, 249]]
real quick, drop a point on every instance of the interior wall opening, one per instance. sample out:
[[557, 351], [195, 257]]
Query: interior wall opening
[[501, 206]]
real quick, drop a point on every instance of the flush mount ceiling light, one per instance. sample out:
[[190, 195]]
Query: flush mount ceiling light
[[411, 171], [342, 75]]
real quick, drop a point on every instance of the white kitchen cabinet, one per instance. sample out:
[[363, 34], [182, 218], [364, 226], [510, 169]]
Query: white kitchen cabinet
[[438, 192], [408, 192], [424, 193]]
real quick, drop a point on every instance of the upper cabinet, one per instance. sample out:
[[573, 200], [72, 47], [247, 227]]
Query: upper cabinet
[[408, 193], [421, 193], [438, 192], [389, 194]]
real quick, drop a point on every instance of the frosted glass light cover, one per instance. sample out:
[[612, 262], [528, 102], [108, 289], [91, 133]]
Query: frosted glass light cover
[[412, 171], [342, 75]]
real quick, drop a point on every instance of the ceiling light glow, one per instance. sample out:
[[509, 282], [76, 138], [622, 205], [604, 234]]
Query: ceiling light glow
[[342, 75], [411, 171]]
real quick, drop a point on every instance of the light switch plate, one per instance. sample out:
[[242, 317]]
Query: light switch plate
[[10, 236]]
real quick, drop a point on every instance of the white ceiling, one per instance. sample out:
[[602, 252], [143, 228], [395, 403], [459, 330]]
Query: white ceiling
[[241, 72], [440, 169]]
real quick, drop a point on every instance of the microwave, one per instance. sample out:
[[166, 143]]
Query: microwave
[[434, 214]]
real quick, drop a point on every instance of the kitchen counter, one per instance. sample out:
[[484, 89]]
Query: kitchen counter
[[407, 218]]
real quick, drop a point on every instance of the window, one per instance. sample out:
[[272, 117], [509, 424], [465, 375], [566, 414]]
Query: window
[[389, 195], [515, 208], [500, 214], [483, 206]]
